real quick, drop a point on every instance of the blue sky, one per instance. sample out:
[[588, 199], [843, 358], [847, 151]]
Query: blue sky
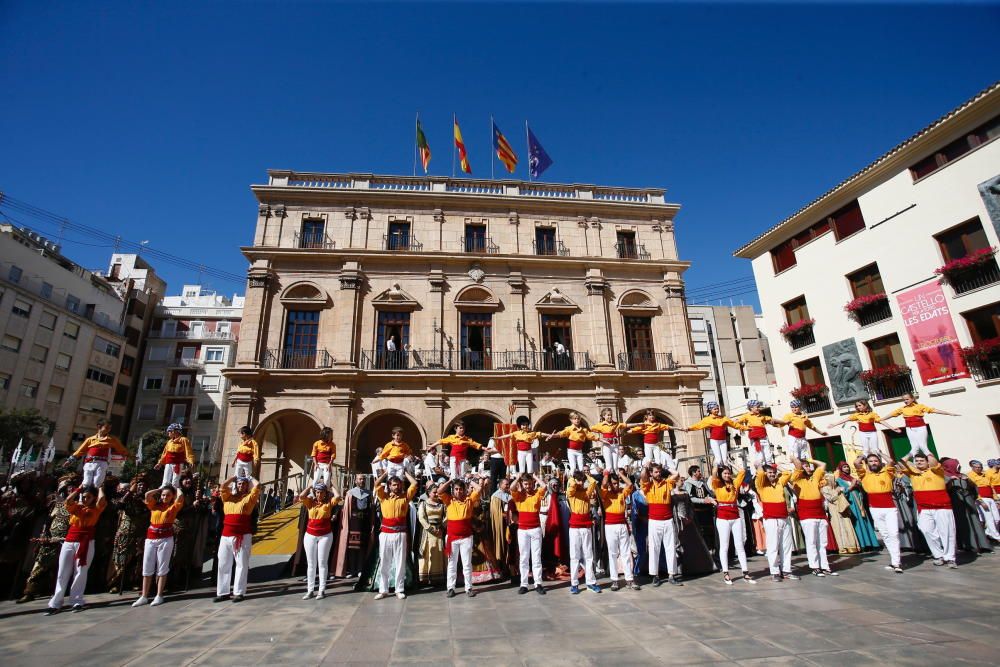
[[151, 120]]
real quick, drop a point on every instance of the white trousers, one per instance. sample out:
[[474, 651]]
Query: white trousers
[[581, 550], [720, 450], [662, 535], [226, 555], [172, 474], [378, 467], [526, 461], [652, 452], [797, 447], [886, 520], [94, 473], [529, 547], [779, 545], [575, 457], [70, 570], [619, 546], [322, 473], [734, 527], [610, 458], [918, 440], [764, 455], [869, 442], [460, 549], [457, 467], [395, 469], [815, 533], [392, 558], [938, 527], [156, 556], [317, 548], [991, 516], [244, 467]]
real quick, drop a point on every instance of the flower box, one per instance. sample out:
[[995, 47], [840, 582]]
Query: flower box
[[885, 373], [810, 390], [982, 350], [800, 327], [860, 303], [956, 268]]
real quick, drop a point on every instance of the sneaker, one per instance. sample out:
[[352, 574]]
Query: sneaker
[[320, 595], [78, 607], [793, 577], [614, 585], [634, 586], [238, 598], [220, 598], [308, 595], [51, 611], [141, 601], [831, 573], [470, 593], [380, 596], [157, 601], [890, 567], [540, 589], [747, 578], [594, 588], [897, 569], [939, 562], [675, 581], [522, 590], [656, 582], [450, 593], [818, 573], [400, 595], [952, 565], [574, 590], [776, 577]]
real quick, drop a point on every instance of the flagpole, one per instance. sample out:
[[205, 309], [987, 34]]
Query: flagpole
[[527, 142], [492, 150], [416, 125], [454, 147]]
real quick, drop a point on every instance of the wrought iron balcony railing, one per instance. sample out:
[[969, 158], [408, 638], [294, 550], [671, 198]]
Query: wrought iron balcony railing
[[631, 251], [876, 312], [401, 243], [984, 370], [975, 277], [480, 245], [646, 361], [550, 248], [473, 360], [313, 240], [801, 338], [297, 358], [886, 388]]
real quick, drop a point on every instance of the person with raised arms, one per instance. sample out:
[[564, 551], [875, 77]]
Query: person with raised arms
[[728, 522], [661, 531], [877, 478], [527, 494], [395, 504], [461, 505]]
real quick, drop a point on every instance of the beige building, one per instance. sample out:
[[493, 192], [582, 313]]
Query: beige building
[[376, 301], [62, 337]]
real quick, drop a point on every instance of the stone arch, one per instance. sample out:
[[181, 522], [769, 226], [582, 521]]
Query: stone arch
[[557, 419], [285, 439], [637, 301], [476, 298], [375, 430], [304, 292], [634, 440], [478, 426]]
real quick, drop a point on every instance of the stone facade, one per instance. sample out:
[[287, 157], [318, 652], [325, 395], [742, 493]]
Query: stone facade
[[476, 281]]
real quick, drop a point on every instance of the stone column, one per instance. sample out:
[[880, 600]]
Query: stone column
[[252, 348], [600, 323], [341, 402], [351, 280], [678, 331]]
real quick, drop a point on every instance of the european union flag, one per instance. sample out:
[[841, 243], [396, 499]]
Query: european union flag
[[538, 159]]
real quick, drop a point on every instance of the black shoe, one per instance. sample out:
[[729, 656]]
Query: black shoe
[[675, 581], [656, 582], [51, 611], [614, 585], [450, 593], [471, 593], [522, 590], [220, 598], [634, 586], [77, 608], [237, 598], [540, 589]]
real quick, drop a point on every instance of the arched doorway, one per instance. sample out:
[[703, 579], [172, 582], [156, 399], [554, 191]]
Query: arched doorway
[[633, 441], [556, 421], [376, 430], [285, 439], [478, 426]]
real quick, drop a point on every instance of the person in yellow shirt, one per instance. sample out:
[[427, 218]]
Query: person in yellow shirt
[[523, 440], [609, 433], [177, 455], [798, 424], [96, 453], [756, 424], [460, 506], [324, 452], [652, 437], [163, 504], [807, 481], [728, 521], [614, 500], [718, 426], [661, 532], [580, 492], [460, 444], [247, 454], [865, 418], [527, 494], [877, 478], [916, 427], [770, 486], [319, 501], [395, 506], [935, 517], [994, 471], [74, 556], [576, 435], [394, 454], [237, 536], [984, 481]]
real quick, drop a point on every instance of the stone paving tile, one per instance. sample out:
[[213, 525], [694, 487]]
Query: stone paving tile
[[736, 649]]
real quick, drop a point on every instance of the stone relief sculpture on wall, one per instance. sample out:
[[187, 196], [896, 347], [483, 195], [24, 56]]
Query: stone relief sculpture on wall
[[844, 366]]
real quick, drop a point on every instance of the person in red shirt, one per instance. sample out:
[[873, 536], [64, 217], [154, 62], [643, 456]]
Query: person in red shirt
[[324, 451], [319, 501], [96, 453], [460, 506], [163, 504], [247, 453], [75, 557]]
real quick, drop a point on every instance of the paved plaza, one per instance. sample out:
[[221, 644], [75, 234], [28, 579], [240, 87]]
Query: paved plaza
[[867, 616]]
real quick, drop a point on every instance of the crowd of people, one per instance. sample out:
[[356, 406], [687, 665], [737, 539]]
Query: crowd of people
[[472, 513]]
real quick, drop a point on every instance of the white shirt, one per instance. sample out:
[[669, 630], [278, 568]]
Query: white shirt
[[390, 345]]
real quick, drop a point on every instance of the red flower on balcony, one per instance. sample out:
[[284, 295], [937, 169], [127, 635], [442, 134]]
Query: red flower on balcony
[[956, 267], [797, 328], [982, 350], [810, 390], [852, 307], [885, 373]]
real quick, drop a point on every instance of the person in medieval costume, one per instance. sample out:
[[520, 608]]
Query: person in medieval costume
[[188, 558], [430, 553], [355, 530], [133, 520], [20, 509], [839, 511], [46, 564]]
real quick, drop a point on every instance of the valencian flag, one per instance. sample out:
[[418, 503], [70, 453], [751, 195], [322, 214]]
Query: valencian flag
[[538, 159], [503, 149], [463, 156], [425, 150]]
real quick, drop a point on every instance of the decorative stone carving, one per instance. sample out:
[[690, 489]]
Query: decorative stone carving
[[581, 222], [365, 213], [279, 211], [437, 280], [395, 298], [350, 213], [258, 280], [556, 302], [516, 282], [990, 192], [595, 285], [264, 210], [514, 218], [476, 273], [438, 216], [843, 364], [595, 223]]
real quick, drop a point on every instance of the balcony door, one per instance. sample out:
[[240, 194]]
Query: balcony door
[[392, 336], [626, 245], [301, 338], [183, 384], [399, 236], [639, 343], [475, 238], [476, 341], [545, 240], [557, 341]]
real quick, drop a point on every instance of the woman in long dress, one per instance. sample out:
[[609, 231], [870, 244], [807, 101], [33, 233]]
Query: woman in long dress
[[970, 535], [863, 527], [431, 515], [840, 517]]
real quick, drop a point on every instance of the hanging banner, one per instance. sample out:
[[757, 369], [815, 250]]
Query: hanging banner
[[931, 330]]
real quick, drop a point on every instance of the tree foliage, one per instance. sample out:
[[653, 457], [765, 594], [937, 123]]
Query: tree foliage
[[28, 424], [153, 442]]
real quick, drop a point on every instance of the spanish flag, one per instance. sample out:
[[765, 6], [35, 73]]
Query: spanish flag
[[503, 149], [425, 150], [463, 156]]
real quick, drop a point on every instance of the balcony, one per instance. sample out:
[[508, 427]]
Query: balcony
[[801, 338], [193, 335], [297, 359], [480, 245], [876, 312], [631, 251], [178, 362], [178, 391], [975, 277], [401, 243], [884, 389], [820, 403], [314, 240], [984, 368], [553, 248], [471, 360], [646, 361]]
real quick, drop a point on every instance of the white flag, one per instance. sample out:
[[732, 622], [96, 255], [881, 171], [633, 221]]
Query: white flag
[[27, 457], [17, 453], [50, 452], [138, 453]]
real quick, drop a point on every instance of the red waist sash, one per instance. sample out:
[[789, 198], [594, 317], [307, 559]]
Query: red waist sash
[[775, 510], [396, 524], [757, 432], [83, 536], [458, 452], [727, 511], [914, 422], [660, 511], [580, 520], [576, 445], [174, 457], [796, 432], [458, 529], [157, 531], [397, 459], [237, 526], [866, 427], [528, 520], [97, 454], [322, 457], [881, 499], [246, 457], [614, 518], [523, 446], [811, 509], [985, 491], [319, 527], [651, 438], [932, 500], [717, 433]]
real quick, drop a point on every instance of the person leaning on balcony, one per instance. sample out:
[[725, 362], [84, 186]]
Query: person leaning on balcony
[[916, 428], [96, 452], [718, 426], [866, 418], [797, 422], [176, 453], [247, 453]]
